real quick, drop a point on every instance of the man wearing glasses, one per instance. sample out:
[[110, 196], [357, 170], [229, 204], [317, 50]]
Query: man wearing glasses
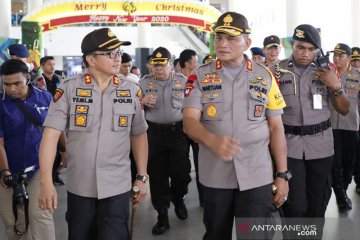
[[103, 117]]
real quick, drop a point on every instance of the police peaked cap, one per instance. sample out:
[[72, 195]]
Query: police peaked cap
[[257, 51], [355, 53], [18, 50], [307, 33], [342, 48], [233, 24], [160, 56], [271, 40], [102, 39]]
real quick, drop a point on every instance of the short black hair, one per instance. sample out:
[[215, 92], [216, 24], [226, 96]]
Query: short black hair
[[185, 56], [148, 58], [125, 58], [44, 59], [13, 66], [176, 62], [134, 67]]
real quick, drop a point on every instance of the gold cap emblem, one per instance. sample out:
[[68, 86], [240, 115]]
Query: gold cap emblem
[[110, 33], [227, 20], [355, 53], [158, 55], [337, 46], [300, 33]]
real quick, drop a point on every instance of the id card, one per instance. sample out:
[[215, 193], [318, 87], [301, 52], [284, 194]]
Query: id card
[[317, 101]]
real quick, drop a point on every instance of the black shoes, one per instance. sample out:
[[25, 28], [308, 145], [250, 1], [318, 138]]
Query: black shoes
[[343, 201], [162, 224], [58, 181], [180, 210]]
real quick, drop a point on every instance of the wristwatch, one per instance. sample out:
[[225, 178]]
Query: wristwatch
[[337, 92], [143, 178], [285, 175]]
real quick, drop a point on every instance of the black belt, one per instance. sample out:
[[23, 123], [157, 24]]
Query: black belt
[[165, 127], [307, 130]]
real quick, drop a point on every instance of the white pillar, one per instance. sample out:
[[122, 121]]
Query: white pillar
[[292, 16], [5, 18], [33, 4], [355, 23], [144, 35]]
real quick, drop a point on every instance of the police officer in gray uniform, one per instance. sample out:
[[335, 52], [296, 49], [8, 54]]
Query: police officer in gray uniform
[[102, 115], [345, 128], [163, 92], [307, 90], [233, 109]]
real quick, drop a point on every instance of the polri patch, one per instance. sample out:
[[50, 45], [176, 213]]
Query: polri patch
[[123, 121], [123, 93], [58, 94], [80, 120]]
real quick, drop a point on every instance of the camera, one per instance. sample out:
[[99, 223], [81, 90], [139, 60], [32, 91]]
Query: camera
[[18, 182], [323, 60]]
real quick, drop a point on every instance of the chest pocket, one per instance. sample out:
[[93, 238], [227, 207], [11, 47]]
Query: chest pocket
[[212, 106], [81, 117], [122, 118], [323, 91], [257, 105], [177, 98], [351, 89], [287, 85]]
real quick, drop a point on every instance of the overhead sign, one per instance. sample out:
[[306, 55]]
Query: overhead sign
[[193, 13]]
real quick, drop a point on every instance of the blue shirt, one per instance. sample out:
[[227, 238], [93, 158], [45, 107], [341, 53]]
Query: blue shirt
[[22, 138]]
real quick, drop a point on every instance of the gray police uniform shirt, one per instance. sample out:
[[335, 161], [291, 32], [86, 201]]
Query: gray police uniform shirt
[[299, 111], [170, 97], [99, 126], [237, 107], [350, 82]]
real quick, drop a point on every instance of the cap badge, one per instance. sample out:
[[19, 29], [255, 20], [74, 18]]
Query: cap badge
[[300, 33], [158, 55], [355, 53], [337, 46], [227, 20], [110, 33]]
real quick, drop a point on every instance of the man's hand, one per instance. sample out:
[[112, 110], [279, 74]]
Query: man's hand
[[225, 147], [4, 174], [48, 197], [329, 78], [138, 197], [63, 160], [282, 191], [149, 100]]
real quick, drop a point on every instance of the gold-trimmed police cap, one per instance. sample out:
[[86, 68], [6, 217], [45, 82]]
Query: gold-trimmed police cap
[[355, 53], [307, 33], [342, 48], [208, 58], [160, 56], [233, 24], [102, 39]]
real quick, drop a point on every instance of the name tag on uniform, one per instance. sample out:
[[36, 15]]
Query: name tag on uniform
[[317, 101]]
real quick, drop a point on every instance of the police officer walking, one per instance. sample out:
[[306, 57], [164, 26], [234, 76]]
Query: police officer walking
[[169, 164], [233, 110], [307, 90], [345, 128], [103, 116]]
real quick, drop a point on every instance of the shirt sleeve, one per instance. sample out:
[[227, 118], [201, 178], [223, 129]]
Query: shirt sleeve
[[138, 125], [193, 93], [1, 117], [58, 113], [276, 100]]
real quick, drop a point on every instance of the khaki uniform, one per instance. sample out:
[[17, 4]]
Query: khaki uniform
[[99, 126], [238, 108], [300, 111]]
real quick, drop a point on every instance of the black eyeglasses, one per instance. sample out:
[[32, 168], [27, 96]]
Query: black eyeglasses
[[112, 54]]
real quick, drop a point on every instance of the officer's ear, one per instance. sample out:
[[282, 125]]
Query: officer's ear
[[28, 79]]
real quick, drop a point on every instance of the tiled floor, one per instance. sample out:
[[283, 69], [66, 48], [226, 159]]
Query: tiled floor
[[338, 226]]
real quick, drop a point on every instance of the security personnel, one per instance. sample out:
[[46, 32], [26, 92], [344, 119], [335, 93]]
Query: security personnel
[[307, 90], [19, 147], [345, 128], [102, 114], [355, 58], [233, 110], [272, 49], [257, 54], [208, 58], [169, 164]]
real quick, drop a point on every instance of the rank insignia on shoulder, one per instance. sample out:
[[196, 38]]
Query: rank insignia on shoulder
[[249, 65], [87, 79], [82, 109], [211, 111], [123, 121], [115, 80], [123, 93], [258, 110], [218, 65], [139, 93], [80, 120], [80, 92], [58, 94], [41, 82]]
